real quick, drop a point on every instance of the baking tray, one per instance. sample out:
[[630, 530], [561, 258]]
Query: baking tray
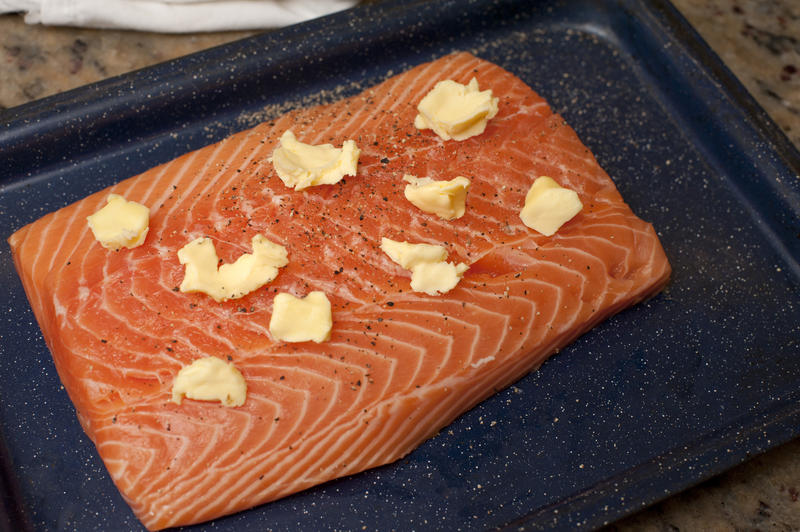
[[648, 403]]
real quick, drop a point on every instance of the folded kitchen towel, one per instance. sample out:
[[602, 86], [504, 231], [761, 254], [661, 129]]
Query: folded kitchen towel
[[173, 16]]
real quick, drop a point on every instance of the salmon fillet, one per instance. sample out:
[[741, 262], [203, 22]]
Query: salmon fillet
[[399, 364]]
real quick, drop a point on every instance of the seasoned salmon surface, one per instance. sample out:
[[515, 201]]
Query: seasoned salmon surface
[[399, 365]]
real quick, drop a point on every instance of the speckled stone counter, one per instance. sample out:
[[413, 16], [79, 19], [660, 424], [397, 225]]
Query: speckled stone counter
[[38, 61], [759, 40]]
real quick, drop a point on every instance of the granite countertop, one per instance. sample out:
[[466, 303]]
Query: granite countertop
[[759, 40]]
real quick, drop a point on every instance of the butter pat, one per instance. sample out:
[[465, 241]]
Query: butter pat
[[302, 165], [433, 278], [301, 319], [120, 224], [430, 273], [210, 379], [548, 206], [456, 111], [410, 255], [234, 280], [446, 199]]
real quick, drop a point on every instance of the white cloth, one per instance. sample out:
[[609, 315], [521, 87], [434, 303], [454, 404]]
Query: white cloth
[[173, 16]]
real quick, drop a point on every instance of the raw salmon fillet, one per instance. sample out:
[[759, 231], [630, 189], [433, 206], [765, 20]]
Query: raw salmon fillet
[[399, 365]]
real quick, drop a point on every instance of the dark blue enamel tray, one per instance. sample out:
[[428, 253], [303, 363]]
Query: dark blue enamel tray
[[656, 399]]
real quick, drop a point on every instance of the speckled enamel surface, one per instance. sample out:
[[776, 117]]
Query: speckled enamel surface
[[658, 398]]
